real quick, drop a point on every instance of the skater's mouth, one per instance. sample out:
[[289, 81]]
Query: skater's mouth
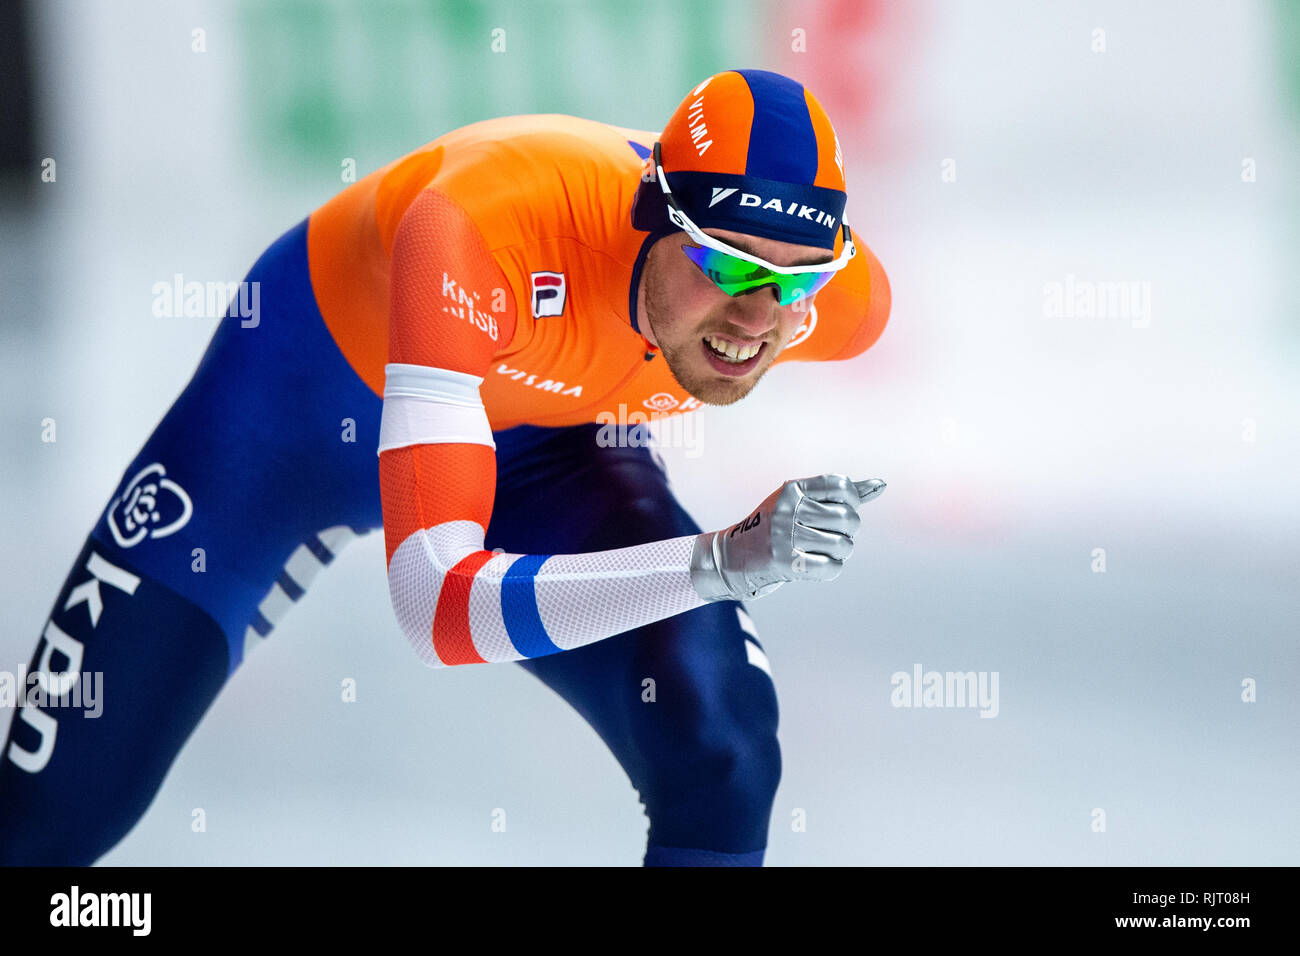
[[732, 357]]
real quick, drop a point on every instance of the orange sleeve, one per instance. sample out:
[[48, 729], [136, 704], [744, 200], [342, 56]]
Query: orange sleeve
[[451, 308], [848, 315], [870, 301], [451, 305]]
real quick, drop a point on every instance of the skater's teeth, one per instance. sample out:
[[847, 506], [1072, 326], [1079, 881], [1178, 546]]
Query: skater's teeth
[[730, 350]]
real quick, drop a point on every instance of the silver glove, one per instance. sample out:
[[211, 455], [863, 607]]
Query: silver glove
[[803, 531]]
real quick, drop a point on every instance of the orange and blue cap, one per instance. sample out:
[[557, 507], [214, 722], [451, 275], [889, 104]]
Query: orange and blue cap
[[754, 152]]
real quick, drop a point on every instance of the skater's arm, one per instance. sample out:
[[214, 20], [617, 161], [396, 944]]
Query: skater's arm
[[456, 602]]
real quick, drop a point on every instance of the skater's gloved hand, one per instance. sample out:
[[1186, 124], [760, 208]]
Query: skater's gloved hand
[[803, 531]]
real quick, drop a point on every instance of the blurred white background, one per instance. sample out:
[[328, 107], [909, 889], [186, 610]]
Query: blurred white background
[[1014, 443]]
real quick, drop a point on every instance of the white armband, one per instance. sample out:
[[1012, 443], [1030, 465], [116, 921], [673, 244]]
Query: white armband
[[428, 406]]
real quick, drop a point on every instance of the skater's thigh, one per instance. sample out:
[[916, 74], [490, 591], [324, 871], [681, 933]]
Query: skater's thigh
[[262, 468]]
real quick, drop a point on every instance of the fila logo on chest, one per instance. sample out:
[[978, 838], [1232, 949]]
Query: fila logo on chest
[[548, 294]]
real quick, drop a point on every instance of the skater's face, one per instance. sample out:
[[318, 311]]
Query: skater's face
[[688, 317]]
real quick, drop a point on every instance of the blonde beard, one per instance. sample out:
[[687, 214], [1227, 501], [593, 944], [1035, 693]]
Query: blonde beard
[[708, 387], [715, 389]]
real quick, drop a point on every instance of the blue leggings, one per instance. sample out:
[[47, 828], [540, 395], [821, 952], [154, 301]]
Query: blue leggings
[[265, 466]]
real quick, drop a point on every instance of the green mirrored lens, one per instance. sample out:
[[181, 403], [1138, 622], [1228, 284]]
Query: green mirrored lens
[[736, 276]]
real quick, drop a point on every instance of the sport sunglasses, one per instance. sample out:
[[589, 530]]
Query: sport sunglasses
[[735, 271]]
